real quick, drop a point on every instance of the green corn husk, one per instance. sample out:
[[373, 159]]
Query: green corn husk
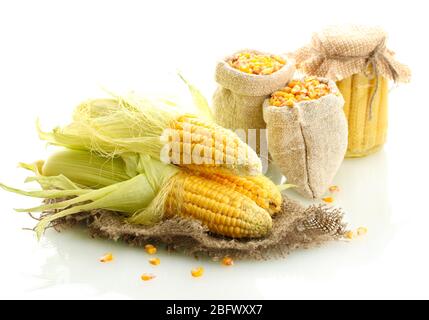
[[112, 127], [86, 169], [139, 196], [121, 125], [200, 101]]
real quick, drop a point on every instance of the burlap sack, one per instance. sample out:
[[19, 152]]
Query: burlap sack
[[308, 142], [338, 52], [295, 227], [238, 100]]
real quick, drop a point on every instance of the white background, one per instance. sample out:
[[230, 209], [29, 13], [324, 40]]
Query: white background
[[53, 54]]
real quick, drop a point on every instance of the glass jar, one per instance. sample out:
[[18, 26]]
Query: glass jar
[[366, 109]]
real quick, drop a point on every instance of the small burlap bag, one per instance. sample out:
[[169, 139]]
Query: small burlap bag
[[294, 227], [337, 52], [238, 100], [308, 141]]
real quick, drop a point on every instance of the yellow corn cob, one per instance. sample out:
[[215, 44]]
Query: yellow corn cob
[[258, 188], [382, 121], [214, 145], [223, 210], [345, 86], [357, 115], [370, 135]]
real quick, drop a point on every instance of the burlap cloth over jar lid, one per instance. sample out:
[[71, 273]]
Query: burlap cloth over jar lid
[[338, 52]]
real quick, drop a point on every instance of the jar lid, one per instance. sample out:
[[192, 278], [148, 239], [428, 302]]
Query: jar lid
[[337, 52]]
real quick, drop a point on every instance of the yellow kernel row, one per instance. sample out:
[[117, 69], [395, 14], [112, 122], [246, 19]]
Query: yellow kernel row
[[259, 64], [299, 90]]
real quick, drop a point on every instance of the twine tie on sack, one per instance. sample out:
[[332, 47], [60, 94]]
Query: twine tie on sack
[[371, 61]]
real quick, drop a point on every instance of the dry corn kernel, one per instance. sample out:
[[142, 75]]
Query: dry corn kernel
[[349, 235], [259, 64], [227, 261], [333, 189], [297, 90], [289, 103], [150, 249], [107, 258], [328, 199], [197, 272], [147, 276], [361, 231], [155, 261]]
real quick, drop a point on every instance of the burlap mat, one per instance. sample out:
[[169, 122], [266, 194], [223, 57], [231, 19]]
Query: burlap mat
[[295, 227]]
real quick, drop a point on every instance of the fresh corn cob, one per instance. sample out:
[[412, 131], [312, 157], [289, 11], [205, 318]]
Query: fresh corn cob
[[146, 190], [345, 87], [214, 145], [258, 188], [113, 127], [222, 209]]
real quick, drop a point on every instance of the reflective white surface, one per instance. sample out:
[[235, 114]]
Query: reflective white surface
[[49, 63]]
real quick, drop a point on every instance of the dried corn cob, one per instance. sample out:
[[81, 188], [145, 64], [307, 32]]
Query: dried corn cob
[[223, 210], [258, 188]]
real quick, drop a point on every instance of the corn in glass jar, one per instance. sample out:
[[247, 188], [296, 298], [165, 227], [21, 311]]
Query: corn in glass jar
[[366, 109]]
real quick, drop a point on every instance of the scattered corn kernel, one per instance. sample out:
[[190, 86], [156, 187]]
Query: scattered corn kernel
[[328, 199], [107, 258], [227, 261], [197, 272], [361, 231], [259, 64], [147, 276], [349, 235], [155, 261], [334, 189], [150, 249], [297, 90]]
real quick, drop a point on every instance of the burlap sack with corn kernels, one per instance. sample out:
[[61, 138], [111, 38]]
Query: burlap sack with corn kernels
[[294, 227], [238, 100], [308, 141]]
